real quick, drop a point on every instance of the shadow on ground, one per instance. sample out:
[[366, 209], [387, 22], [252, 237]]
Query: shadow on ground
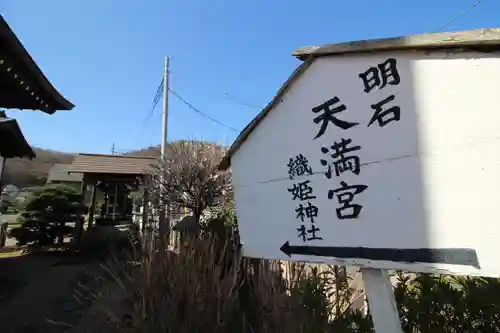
[[37, 290]]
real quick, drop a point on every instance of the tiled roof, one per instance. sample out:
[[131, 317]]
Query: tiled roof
[[112, 164], [12, 141], [59, 173], [24, 86]]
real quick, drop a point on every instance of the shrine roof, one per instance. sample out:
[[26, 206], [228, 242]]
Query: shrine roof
[[112, 164], [59, 173], [12, 141], [22, 83]]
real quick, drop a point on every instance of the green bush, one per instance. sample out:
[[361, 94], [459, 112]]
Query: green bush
[[429, 303], [45, 213], [4, 206], [36, 233], [222, 228], [11, 206], [426, 303], [104, 240], [310, 293], [193, 292], [325, 300]]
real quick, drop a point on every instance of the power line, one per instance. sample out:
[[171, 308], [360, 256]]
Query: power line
[[226, 95], [156, 99], [459, 15], [192, 107], [151, 110]]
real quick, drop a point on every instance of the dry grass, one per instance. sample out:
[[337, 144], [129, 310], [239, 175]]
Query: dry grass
[[196, 290]]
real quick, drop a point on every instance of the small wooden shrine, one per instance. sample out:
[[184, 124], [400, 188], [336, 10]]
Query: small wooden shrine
[[110, 180]]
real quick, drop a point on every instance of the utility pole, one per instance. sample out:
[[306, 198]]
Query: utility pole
[[164, 222]]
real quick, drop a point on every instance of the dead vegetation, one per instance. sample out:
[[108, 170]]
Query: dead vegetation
[[205, 287]]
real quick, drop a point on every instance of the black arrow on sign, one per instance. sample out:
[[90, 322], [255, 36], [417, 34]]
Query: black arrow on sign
[[453, 256]]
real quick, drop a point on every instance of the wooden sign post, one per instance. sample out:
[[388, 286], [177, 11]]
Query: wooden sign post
[[381, 300], [378, 154]]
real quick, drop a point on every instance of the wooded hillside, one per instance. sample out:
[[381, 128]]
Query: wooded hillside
[[149, 151], [23, 172]]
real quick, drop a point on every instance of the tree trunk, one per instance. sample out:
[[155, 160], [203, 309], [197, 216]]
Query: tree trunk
[[197, 215], [60, 238]]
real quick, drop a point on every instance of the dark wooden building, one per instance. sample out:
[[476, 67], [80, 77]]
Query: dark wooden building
[[22, 86], [12, 141], [110, 180], [22, 83]]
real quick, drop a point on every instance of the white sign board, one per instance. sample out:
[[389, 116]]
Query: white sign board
[[386, 160]]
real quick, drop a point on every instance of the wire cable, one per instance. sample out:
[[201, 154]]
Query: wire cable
[[150, 112], [156, 99], [459, 15], [232, 99], [192, 107]]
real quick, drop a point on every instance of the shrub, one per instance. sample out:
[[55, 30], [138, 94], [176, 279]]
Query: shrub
[[208, 287], [326, 299], [105, 240], [4, 206], [190, 292], [36, 233], [45, 214], [193, 291], [310, 293], [429, 303], [223, 230]]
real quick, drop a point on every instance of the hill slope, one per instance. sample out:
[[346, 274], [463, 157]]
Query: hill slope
[[23, 172], [154, 151]]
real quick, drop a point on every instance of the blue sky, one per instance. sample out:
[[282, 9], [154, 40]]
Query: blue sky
[[106, 56]]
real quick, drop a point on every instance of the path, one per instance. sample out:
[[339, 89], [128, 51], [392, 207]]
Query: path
[[40, 290]]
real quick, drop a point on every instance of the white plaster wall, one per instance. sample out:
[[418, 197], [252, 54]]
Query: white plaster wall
[[433, 177]]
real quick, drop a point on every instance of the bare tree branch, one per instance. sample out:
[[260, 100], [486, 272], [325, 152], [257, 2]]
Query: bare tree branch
[[191, 178]]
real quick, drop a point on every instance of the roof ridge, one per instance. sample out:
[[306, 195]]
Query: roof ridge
[[122, 156], [483, 39], [464, 38]]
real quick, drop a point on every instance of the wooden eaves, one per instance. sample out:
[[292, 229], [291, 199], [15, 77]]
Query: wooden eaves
[[483, 40], [22, 83], [13, 143]]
